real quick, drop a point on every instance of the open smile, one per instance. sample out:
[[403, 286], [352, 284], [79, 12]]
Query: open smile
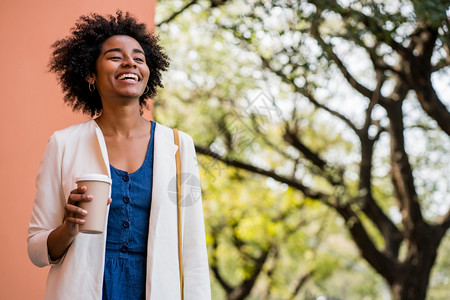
[[129, 77]]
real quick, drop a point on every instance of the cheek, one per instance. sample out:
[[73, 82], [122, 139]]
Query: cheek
[[147, 70], [147, 75]]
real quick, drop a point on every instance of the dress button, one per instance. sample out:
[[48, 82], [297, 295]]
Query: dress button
[[126, 224], [126, 199], [124, 248], [125, 178]]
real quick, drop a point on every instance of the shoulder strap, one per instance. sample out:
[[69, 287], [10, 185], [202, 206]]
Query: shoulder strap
[[180, 239]]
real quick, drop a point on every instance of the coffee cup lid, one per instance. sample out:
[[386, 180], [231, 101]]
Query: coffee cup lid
[[94, 177]]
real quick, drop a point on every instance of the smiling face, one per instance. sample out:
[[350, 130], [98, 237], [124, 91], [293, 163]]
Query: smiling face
[[121, 69]]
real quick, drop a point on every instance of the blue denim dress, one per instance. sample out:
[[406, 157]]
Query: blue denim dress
[[127, 233]]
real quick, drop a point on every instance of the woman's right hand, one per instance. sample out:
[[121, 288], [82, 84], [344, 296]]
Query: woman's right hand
[[74, 215], [60, 239]]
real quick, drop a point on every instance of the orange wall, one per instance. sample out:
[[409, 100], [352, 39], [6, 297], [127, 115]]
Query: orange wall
[[31, 109]]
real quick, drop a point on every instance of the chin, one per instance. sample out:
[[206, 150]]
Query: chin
[[131, 94]]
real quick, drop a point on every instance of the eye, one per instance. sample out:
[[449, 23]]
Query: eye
[[139, 59], [115, 57]]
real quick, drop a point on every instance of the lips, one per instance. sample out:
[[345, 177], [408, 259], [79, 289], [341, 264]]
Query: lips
[[128, 76]]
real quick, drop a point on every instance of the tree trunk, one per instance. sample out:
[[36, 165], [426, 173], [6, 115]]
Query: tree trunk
[[412, 275]]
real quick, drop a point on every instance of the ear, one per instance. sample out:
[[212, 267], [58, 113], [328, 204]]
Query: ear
[[90, 78]]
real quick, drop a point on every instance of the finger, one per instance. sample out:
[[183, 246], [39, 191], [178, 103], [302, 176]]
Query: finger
[[79, 190], [75, 198], [73, 210], [109, 201], [75, 220]]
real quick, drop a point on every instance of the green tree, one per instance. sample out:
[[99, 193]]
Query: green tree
[[254, 244], [374, 154]]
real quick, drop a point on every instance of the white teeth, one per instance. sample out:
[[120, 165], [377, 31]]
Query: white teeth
[[128, 76]]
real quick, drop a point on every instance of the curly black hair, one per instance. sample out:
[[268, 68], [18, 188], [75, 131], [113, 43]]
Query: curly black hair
[[74, 58]]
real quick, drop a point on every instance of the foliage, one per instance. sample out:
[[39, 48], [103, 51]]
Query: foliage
[[340, 105]]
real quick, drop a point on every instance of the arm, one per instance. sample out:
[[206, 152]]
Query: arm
[[48, 208], [54, 223], [60, 238]]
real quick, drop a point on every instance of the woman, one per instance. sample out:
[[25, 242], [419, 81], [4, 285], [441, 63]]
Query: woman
[[108, 67]]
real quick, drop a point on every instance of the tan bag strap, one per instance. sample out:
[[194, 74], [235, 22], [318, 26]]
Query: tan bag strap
[[180, 239]]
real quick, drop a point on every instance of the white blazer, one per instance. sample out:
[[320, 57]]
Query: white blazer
[[81, 149]]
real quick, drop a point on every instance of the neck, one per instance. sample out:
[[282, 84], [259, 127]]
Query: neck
[[124, 121]]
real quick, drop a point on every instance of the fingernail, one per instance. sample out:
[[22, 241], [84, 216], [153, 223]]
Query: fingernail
[[82, 220], [84, 212], [90, 197]]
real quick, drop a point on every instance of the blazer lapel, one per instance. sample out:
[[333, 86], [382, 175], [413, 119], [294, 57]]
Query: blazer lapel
[[163, 170], [102, 145]]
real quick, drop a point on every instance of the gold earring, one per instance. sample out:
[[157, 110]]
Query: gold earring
[[147, 89], [91, 87]]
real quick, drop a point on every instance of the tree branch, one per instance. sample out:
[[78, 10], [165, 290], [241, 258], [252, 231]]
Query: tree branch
[[277, 149], [444, 222], [244, 289], [269, 173], [445, 61], [401, 172], [214, 267], [378, 62], [329, 50], [375, 27], [305, 92], [389, 231], [432, 105], [270, 270], [175, 14], [420, 77], [291, 136], [392, 235], [441, 64], [380, 262], [301, 281], [376, 98], [214, 3], [308, 94]]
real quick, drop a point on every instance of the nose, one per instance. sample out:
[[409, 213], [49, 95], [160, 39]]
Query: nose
[[128, 61]]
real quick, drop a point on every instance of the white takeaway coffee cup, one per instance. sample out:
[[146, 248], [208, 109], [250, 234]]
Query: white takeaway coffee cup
[[98, 185]]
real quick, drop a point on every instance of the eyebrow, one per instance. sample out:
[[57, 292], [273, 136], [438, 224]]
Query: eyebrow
[[119, 50]]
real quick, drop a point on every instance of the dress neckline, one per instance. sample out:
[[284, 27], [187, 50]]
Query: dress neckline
[[147, 155]]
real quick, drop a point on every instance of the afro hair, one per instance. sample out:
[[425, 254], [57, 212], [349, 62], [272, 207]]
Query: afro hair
[[75, 56]]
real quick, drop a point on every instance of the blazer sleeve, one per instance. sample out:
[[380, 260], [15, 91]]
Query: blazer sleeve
[[195, 258], [48, 208]]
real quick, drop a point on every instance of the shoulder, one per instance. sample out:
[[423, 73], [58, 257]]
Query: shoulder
[[168, 132], [75, 130], [73, 134]]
